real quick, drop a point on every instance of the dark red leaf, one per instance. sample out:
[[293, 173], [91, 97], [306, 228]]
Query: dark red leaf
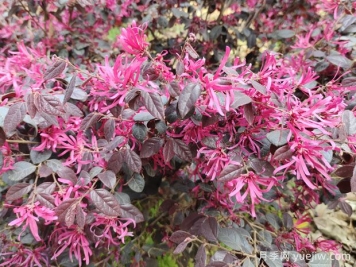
[[168, 152], [248, 113], [174, 89], [66, 211], [17, 191], [2, 137], [188, 98], [136, 183], [153, 104], [230, 172], [200, 257], [259, 87], [344, 185], [73, 110], [80, 217], [130, 211], [70, 89], [116, 161], [139, 131], [344, 171], [283, 153], [67, 174], [105, 202], [44, 171], [47, 188], [48, 104], [109, 129], [31, 107], [54, 70], [353, 181], [179, 236], [240, 99], [114, 143], [181, 150], [14, 116], [150, 147], [89, 121], [1, 160], [46, 200], [181, 247], [108, 178], [132, 160], [49, 120], [209, 229]]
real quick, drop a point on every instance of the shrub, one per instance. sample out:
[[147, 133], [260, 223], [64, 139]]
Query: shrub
[[210, 128]]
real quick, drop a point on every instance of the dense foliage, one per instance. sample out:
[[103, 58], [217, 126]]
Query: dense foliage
[[131, 129]]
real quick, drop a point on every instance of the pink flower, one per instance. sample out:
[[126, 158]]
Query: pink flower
[[75, 240], [18, 255], [253, 185], [25, 214], [110, 229], [133, 39]]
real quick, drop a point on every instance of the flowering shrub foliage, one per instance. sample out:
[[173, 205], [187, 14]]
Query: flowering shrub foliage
[[116, 149]]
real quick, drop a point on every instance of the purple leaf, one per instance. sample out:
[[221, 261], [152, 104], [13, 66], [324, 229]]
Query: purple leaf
[[345, 171], [108, 178], [66, 211], [67, 174], [21, 170], [174, 89], [278, 137], [153, 104], [188, 98], [353, 181], [136, 183], [283, 153], [230, 172], [181, 247], [2, 136], [80, 217], [114, 143], [132, 160], [70, 89], [89, 121], [109, 129], [200, 257], [209, 229], [73, 110], [240, 99], [339, 60], [181, 150], [150, 147], [30, 104], [46, 200], [48, 104], [17, 191], [139, 131], [46, 187], [130, 211], [116, 161], [179, 236], [259, 87], [105, 202], [54, 70], [14, 116], [248, 113], [348, 118], [168, 152], [40, 156]]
